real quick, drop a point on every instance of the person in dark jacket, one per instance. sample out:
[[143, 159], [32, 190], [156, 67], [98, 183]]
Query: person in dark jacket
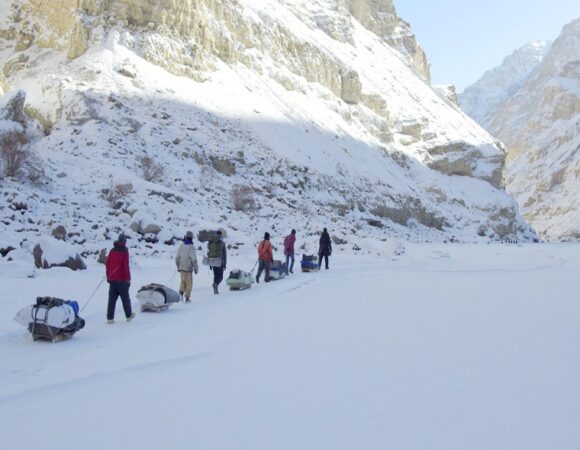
[[324, 249], [119, 279], [289, 242], [216, 249]]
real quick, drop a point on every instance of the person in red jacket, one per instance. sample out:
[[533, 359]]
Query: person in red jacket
[[119, 279], [265, 258], [289, 242]]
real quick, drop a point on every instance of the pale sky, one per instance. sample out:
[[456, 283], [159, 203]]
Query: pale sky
[[464, 38]]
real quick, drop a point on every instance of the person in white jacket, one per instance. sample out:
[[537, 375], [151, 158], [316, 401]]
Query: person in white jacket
[[186, 261]]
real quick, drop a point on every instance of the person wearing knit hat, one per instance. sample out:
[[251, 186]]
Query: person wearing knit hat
[[217, 257], [119, 279], [265, 258], [324, 249], [186, 262], [289, 242]]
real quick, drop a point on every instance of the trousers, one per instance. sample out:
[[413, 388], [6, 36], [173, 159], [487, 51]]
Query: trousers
[[186, 284], [119, 289]]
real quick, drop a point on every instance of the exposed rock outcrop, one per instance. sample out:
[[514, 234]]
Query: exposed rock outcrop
[[462, 159], [12, 108], [381, 18], [350, 87], [4, 88]]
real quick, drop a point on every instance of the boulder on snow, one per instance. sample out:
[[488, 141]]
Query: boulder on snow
[[59, 233], [102, 259], [5, 250], [223, 166], [127, 71], [52, 253], [143, 223]]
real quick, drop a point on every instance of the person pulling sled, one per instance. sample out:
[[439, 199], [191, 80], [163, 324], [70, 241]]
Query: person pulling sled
[[186, 262], [265, 258], [119, 279]]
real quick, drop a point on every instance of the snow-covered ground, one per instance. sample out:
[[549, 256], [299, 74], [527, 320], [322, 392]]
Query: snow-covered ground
[[443, 347]]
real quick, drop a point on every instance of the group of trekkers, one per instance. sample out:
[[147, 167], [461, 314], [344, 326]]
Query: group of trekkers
[[119, 275]]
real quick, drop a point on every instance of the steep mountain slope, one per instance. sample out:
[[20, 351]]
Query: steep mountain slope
[[311, 110], [540, 124], [482, 99]]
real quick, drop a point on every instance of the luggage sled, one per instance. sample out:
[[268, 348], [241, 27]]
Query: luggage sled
[[309, 263], [51, 319], [239, 280], [278, 270], [156, 297]]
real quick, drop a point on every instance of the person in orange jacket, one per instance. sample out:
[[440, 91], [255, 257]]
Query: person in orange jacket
[[265, 258]]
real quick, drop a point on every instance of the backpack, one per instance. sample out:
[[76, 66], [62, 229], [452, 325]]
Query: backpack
[[214, 253]]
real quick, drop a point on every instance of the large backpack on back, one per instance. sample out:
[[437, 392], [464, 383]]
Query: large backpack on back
[[214, 253]]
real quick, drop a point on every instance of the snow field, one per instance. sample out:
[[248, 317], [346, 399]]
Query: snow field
[[446, 347]]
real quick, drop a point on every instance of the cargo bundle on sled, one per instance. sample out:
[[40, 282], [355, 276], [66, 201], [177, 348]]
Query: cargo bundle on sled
[[52, 319], [278, 270], [156, 297], [309, 263], [210, 235], [239, 280]]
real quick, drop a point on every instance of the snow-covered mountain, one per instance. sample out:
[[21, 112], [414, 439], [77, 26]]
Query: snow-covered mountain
[[482, 99], [251, 115], [540, 125]]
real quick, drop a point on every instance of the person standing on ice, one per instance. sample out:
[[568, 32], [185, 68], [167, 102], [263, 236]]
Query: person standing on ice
[[324, 249], [265, 258], [289, 242], [119, 279], [186, 261], [217, 257]]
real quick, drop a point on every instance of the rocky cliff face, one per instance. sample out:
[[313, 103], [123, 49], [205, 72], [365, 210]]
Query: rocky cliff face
[[540, 125], [315, 99], [381, 18]]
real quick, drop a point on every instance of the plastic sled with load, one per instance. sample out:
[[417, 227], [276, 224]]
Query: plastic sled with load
[[278, 270], [309, 263], [51, 319], [239, 280], [156, 297]]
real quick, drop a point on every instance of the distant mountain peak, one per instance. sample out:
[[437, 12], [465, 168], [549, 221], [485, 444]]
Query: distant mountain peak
[[482, 99]]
